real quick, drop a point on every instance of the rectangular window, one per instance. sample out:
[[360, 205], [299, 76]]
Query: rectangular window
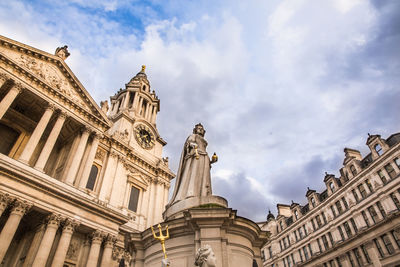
[[373, 214], [346, 206], [133, 199], [395, 200], [339, 264], [333, 211], [368, 183], [341, 232], [295, 234], [397, 161], [309, 248], [382, 176], [324, 217], [331, 238], [353, 223], [378, 246], [365, 218], [381, 209], [355, 195], [300, 232], [339, 207], [365, 252], [318, 219], [396, 237], [388, 244], [325, 242], [270, 252], [319, 245], [350, 259], [291, 256], [347, 229], [289, 263], [288, 240], [389, 169], [305, 230], [362, 191], [284, 262], [313, 224], [305, 253], [358, 256], [301, 256]]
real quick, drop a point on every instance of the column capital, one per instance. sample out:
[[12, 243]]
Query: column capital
[[87, 129], [62, 114], [50, 106], [97, 236], [110, 240], [53, 220], [20, 207], [4, 76], [69, 225], [18, 86], [5, 199]]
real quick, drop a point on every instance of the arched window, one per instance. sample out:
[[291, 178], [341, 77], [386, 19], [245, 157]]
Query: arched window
[[92, 177], [296, 214], [332, 186], [8, 138], [353, 170], [346, 176], [313, 202], [378, 149]]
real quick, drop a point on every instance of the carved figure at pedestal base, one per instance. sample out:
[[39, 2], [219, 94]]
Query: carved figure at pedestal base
[[205, 257]]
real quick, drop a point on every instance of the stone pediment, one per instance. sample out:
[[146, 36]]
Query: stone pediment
[[138, 180], [53, 72]]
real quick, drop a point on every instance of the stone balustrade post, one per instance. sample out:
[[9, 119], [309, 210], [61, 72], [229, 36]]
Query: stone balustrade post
[[50, 142], [53, 222], [63, 244], [36, 135], [18, 210], [93, 258], [9, 98]]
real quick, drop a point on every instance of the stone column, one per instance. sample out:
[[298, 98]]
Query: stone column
[[107, 252], [70, 178], [148, 107], [150, 211], [140, 105], [9, 229], [108, 177], [5, 200], [63, 244], [373, 254], [36, 135], [154, 115], [50, 142], [85, 253], [93, 257], [30, 255], [9, 99], [53, 221], [89, 161], [126, 100]]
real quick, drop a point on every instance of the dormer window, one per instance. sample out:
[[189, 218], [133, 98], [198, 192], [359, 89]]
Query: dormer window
[[378, 149], [313, 202], [332, 187], [353, 170], [296, 214]]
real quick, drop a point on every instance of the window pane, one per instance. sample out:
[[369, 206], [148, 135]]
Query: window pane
[[92, 177], [133, 200], [362, 190], [390, 171], [382, 176]]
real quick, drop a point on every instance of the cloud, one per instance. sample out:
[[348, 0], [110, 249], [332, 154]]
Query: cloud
[[281, 87]]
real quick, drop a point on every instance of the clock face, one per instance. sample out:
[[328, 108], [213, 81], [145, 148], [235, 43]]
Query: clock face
[[144, 137]]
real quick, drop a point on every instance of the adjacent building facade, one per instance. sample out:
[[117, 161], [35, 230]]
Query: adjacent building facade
[[76, 180], [354, 222]]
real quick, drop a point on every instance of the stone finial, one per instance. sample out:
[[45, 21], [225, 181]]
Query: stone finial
[[104, 106], [62, 52]]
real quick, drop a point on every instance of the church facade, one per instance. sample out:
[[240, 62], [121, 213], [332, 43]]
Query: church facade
[[76, 180], [354, 222]]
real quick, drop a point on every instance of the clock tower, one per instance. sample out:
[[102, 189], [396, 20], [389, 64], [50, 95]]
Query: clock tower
[[133, 112]]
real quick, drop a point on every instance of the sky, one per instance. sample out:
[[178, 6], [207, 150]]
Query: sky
[[281, 87]]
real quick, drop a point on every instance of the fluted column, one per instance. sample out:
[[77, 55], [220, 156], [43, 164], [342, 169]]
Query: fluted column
[[9, 99], [53, 221], [50, 142], [107, 252], [146, 115], [89, 161], [94, 252], [78, 157], [126, 99], [36, 135], [140, 105], [9, 229], [63, 244], [4, 202]]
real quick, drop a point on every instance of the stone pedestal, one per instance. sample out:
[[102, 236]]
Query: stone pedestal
[[236, 241]]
